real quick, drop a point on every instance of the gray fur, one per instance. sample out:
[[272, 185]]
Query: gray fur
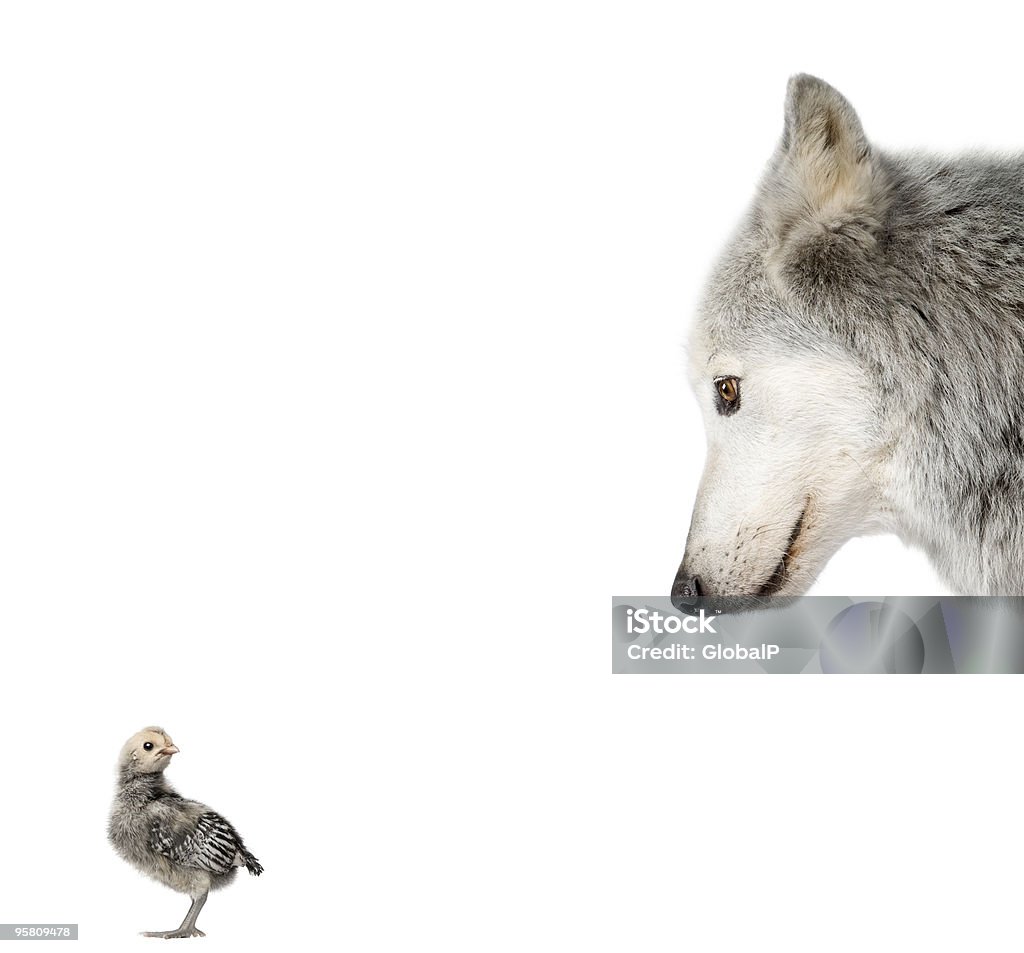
[[912, 267]]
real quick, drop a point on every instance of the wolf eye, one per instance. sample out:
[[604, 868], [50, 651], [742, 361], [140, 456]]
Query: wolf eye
[[728, 389], [148, 746]]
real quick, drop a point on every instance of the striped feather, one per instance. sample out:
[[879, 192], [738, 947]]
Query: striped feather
[[212, 844]]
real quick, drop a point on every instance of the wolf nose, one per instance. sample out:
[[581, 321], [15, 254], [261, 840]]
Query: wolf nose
[[686, 590]]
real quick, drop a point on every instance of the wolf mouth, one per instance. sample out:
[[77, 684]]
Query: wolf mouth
[[780, 574]]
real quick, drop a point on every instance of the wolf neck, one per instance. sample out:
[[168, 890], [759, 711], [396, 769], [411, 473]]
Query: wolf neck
[[953, 486], [139, 788]]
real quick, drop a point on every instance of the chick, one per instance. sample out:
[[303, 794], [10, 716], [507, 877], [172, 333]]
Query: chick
[[179, 842]]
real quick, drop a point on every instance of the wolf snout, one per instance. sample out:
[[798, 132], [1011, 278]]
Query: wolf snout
[[686, 591]]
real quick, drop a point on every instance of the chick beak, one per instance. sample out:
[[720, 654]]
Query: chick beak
[[172, 749]]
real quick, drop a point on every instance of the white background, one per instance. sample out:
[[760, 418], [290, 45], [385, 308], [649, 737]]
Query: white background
[[341, 386]]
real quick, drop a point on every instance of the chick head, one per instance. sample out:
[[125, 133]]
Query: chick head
[[147, 751]]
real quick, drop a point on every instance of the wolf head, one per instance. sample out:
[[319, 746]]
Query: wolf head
[[788, 406]]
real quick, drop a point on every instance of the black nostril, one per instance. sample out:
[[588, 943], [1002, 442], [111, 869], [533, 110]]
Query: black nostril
[[685, 590], [692, 588]]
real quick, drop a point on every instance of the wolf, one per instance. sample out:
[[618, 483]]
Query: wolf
[[858, 359]]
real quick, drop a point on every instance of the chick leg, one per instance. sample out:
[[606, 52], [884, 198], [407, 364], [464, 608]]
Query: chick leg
[[188, 925]]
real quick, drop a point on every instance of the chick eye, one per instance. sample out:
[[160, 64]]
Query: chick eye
[[148, 746], [728, 390]]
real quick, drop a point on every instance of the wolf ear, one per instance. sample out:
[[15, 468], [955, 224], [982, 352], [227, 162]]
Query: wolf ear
[[822, 133], [823, 198]]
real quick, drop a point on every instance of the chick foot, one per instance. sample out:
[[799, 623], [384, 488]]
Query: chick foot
[[180, 933]]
